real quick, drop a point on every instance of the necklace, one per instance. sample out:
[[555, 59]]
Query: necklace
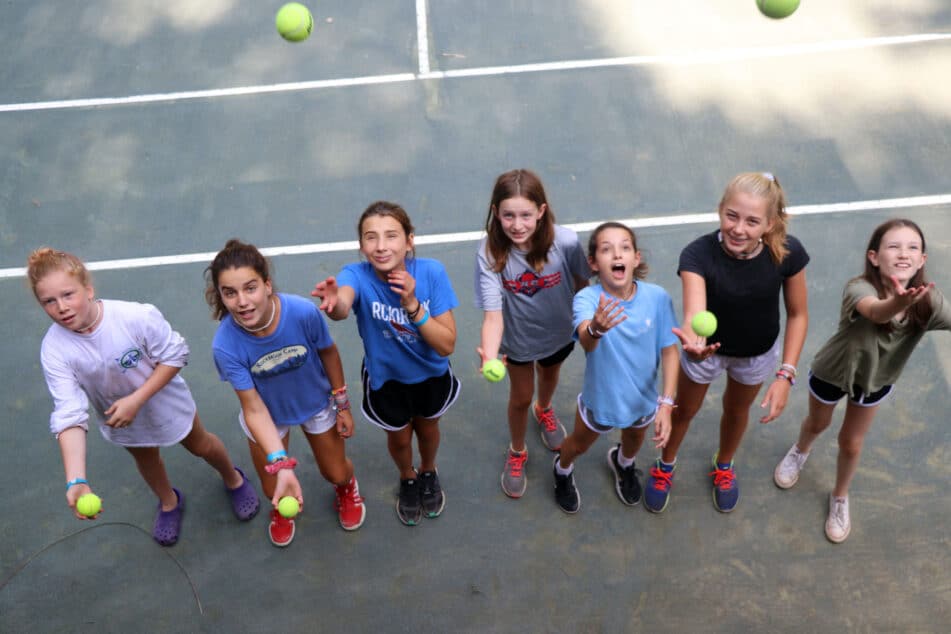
[[269, 321], [95, 321], [741, 256]]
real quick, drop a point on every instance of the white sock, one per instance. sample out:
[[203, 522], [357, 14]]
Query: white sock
[[623, 460], [563, 470]]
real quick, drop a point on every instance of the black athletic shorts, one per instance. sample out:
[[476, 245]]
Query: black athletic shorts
[[548, 361], [395, 404], [828, 393]]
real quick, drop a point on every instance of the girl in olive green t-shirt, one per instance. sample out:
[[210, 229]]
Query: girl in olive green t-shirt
[[885, 313]]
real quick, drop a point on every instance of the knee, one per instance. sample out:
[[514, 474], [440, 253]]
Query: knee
[[338, 473], [850, 448]]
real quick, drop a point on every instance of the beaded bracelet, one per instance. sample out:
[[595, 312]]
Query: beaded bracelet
[[276, 455], [342, 406], [76, 481], [283, 463], [594, 334], [423, 320], [412, 314], [789, 368], [339, 390], [666, 400], [783, 374]]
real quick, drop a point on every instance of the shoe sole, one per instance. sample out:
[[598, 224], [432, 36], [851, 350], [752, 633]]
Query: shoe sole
[[285, 544], [354, 527], [838, 541], [661, 509], [617, 481], [780, 484]]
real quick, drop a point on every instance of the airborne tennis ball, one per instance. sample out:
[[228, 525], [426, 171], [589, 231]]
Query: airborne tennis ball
[[288, 507], [704, 323], [294, 22], [493, 370], [89, 504], [777, 9]]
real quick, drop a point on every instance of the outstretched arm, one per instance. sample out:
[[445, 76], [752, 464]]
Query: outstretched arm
[[881, 311], [72, 445], [335, 300]]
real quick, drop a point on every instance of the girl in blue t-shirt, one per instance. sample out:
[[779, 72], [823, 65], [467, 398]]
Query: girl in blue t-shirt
[[276, 352], [625, 327], [404, 315]]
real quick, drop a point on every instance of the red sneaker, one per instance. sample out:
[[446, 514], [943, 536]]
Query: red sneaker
[[349, 505], [280, 530]]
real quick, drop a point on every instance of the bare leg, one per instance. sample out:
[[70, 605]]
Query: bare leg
[[400, 444], [858, 420], [547, 383], [689, 399], [207, 446], [737, 400], [632, 439], [331, 455], [427, 439], [576, 443], [152, 468], [816, 421], [521, 390]]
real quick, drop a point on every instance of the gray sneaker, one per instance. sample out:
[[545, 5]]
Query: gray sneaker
[[551, 429], [514, 479], [787, 471]]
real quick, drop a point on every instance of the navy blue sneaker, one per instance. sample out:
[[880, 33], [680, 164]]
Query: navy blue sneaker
[[566, 493], [726, 490], [657, 491]]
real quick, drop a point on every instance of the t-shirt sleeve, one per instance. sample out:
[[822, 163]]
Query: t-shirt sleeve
[[70, 403], [583, 307], [349, 276], [488, 283], [666, 320], [796, 260], [693, 258], [442, 296], [231, 369], [941, 315], [575, 256], [855, 291], [317, 330], [162, 344]]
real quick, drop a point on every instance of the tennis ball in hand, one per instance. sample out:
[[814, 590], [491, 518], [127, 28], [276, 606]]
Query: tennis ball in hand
[[89, 504], [493, 370], [777, 9], [288, 507], [704, 323], [294, 22]]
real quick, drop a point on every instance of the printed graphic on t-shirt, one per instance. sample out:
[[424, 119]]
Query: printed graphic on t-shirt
[[129, 359], [398, 321], [280, 361], [530, 282]]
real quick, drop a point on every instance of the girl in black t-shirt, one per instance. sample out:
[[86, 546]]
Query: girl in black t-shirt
[[738, 273]]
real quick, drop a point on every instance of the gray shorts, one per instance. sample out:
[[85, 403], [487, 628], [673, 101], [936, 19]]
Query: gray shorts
[[745, 370], [588, 419], [322, 421]]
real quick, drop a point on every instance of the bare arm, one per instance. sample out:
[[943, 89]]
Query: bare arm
[[669, 366], [695, 300], [491, 339], [795, 297], [335, 300], [609, 313], [262, 428], [333, 366], [122, 412], [72, 446], [881, 311]]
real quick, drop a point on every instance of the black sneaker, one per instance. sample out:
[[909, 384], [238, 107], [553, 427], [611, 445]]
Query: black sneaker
[[434, 500], [566, 493], [626, 483], [408, 505]]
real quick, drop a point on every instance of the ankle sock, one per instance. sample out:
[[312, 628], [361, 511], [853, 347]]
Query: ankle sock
[[623, 460], [563, 471]]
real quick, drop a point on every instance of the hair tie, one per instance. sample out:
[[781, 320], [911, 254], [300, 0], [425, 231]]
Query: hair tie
[[769, 176]]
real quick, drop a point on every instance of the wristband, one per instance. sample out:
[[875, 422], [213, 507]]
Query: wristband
[[283, 463], [423, 320], [339, 390], [412, 313], [76, 481], [276, 455], [783, 374], [666, 400], [341, 406], [789, 368], [594, 334]]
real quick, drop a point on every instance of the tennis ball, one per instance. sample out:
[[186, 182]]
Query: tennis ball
[[294, 22], [777, 9], [89, 504], [493, 370], [288, 507], [704, 323]]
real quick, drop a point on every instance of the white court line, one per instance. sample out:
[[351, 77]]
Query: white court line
[[422, 37], [472, 236], [709, 56]]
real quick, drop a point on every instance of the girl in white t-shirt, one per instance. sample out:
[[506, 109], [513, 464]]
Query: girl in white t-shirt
[[527, 271], [123, 360]]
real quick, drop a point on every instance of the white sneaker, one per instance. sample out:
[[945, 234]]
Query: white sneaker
[[787, 471], [838, 524]]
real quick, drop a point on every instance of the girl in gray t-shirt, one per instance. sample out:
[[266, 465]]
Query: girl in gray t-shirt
[[526, 274], [885, 313]]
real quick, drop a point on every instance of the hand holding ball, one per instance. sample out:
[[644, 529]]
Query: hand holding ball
[[493, 370], [294, 22], [89, 505], [777, 9], [704, 323], [288, 507]]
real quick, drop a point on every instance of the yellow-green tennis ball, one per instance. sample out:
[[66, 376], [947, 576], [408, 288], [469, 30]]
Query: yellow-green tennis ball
[[288, 507], [493, 370], [704, 323], [294, 22], [89, 504], [777, 9]]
